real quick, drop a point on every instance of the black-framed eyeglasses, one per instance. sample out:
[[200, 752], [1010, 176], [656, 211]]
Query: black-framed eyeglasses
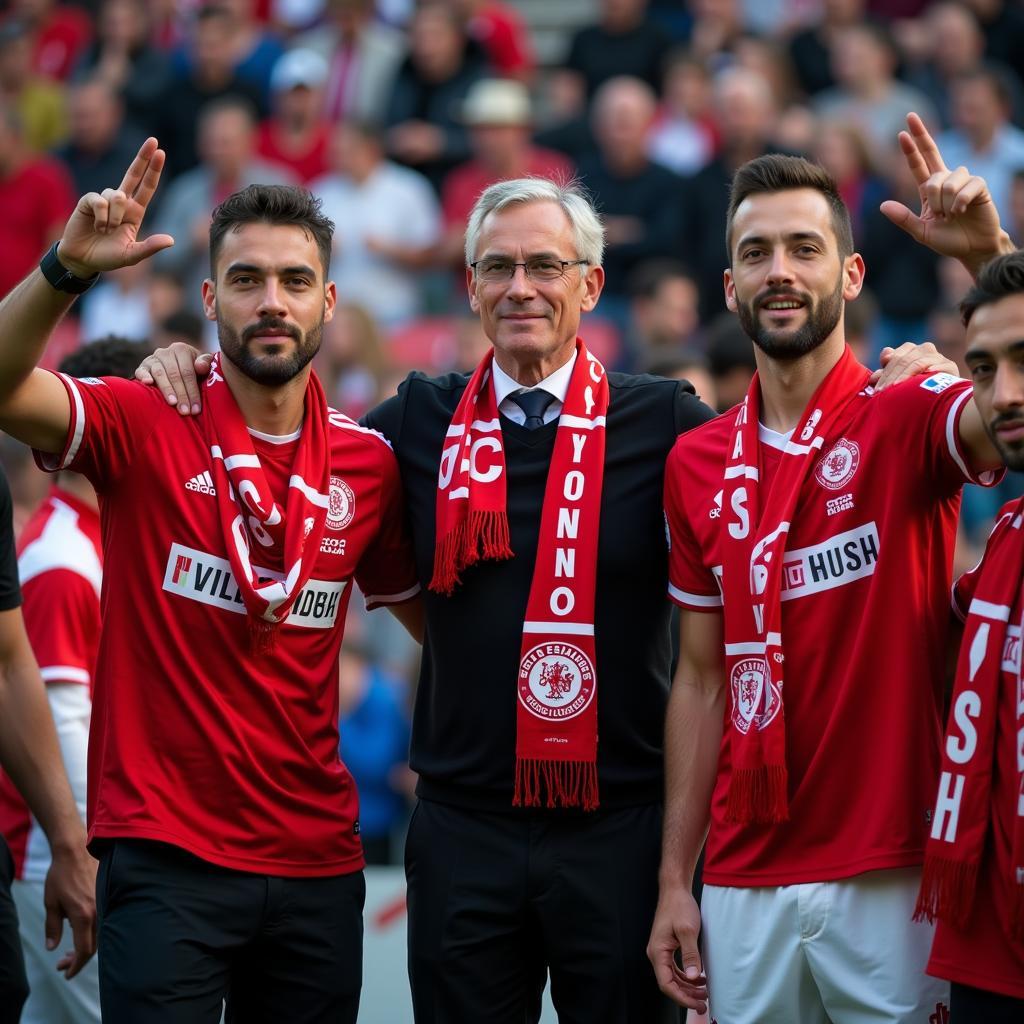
[[496, 270]]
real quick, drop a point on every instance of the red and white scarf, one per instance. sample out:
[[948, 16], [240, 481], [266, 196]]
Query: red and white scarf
[[963, 808], [556, 722], [248, 514], [754, 541]]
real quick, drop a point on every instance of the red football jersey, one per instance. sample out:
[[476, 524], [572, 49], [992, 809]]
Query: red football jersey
[[60, 567], [196, 741], [865, 611], [982, 953]]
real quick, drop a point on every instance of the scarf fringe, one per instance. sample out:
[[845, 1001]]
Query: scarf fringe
[[567, 783], [482, 535], [758, 795], [262, 635], [947, 890]]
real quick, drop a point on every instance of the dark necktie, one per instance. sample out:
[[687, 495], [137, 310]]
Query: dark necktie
[[533, 404]]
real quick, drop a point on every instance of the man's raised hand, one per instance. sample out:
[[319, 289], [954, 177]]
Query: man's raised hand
[[957, 217], [103, 232]]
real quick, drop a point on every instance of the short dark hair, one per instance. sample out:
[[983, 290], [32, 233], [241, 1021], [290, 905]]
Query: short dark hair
[[649, 276], [109, 356], [778, 173], [998, 279], [272, 204]]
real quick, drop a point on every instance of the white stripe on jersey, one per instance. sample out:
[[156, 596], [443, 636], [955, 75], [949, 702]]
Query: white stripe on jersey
[[61, 545]]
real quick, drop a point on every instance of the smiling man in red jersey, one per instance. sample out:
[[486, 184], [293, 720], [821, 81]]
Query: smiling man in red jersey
[[812, 533], [225, 823]]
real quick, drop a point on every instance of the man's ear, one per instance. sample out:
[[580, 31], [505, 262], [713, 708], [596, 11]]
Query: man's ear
[[209, 299], [474, 303], [730, 290], [853, 276]]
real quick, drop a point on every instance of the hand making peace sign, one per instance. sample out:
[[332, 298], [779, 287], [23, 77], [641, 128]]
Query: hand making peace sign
[[957, 216], [102, 233]]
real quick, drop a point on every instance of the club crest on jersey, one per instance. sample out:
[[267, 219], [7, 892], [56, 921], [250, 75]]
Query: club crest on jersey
[[755, 698], [341, 505], [836, 468], [556, 681]]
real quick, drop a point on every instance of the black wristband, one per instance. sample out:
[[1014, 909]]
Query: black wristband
[[60, 277]]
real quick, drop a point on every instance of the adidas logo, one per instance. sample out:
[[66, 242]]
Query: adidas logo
[[201, 482]]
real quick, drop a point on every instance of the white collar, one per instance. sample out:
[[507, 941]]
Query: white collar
[[772, 437], [556, 384]]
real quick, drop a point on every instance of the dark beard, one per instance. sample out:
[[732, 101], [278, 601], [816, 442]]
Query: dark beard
[[821, 321], [271, 371], [1013, 456]]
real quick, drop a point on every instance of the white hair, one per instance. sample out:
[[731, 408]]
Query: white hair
[[588, 231]]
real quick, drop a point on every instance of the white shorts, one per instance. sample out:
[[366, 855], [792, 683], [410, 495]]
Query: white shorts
[[53, 999], [846, 952]]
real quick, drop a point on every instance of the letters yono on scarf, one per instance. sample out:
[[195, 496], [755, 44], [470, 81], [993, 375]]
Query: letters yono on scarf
[[753, 548], [963, 808], [247, 508], [556, 723]]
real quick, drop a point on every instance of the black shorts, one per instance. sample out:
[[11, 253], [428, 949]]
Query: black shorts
[[13, 983], [178, 936], [969, 1005], [497, 901]]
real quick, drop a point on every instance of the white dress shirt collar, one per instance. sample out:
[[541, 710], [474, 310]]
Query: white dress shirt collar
[[556, 384]]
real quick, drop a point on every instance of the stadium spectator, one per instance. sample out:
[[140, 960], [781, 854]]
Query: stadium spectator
[[60, 32], [424, 130], [364, 56], [683, 137], [374, 730], [121, 298], [972, 879], [35, 200], [388, 223], [123, 56], [221, 753], [226, 145], [867, 93], [31, 754], [499, 117], [623, 42], [353, 361], [296, 134], [786, 830], [717, 26], [684, 363], [38, 101], [498, 28], [211, 75], [843, 151], [982, 137], [638, 198], [663, 312], [731, 358], [746, 119], [810, 48], [100, 145], [60, 566], [1003, 24], [1015, 210]]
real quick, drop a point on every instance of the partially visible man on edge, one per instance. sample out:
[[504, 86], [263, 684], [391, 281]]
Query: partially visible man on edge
[[534, 489], [974, 860], [30, 753], [60, 564], [812, 537], [224, 821]]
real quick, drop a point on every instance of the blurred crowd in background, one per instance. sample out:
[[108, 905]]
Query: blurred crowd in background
[[398, 113]]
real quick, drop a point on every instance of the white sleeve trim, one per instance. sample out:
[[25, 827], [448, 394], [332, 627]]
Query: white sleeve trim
[[65, 674], [684, 597], [985, 478], [373, 599]]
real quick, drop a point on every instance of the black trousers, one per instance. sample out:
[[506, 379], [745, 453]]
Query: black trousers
[[496, 901], [13, 983], [178, 935], [969, 1005]]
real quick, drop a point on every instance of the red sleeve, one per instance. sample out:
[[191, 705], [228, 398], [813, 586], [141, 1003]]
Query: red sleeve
[[964, 587], [386, 573], [506, 40], [111, 419], [62, 619], [691, 584], [925, 414]]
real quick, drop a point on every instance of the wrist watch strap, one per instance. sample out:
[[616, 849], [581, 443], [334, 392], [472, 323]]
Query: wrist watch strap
[[60, 277]]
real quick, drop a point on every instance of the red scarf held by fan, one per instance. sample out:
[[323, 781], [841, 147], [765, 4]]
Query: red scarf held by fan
[[754, 540], [248, 514], [963, 808], [556, 720]]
